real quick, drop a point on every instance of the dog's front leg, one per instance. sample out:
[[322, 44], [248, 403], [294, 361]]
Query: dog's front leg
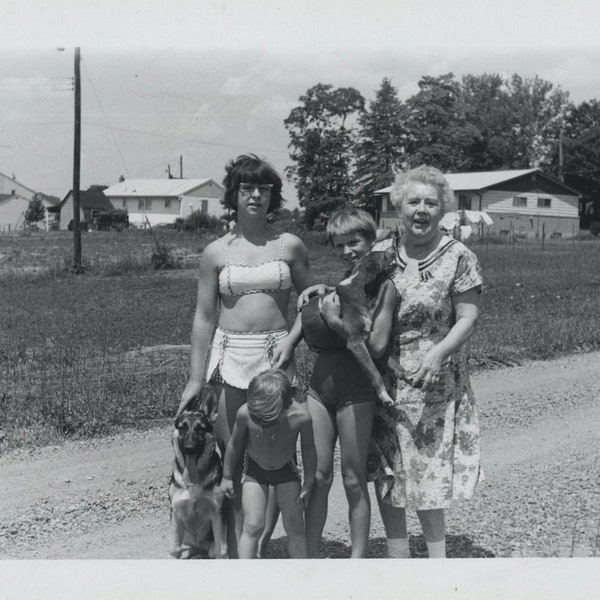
[[177, 533], [359, 349], [219, 528]]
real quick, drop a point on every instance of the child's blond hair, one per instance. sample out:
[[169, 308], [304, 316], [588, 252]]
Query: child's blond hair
[[351, 220], [268, 394]]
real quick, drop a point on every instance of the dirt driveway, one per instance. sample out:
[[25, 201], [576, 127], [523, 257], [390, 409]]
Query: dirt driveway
[[541, 440]]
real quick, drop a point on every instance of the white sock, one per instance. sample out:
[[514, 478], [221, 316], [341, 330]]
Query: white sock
[[398, 548], [437, 549]]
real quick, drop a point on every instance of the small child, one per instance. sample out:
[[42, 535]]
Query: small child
[[341, 399], [267, 428]]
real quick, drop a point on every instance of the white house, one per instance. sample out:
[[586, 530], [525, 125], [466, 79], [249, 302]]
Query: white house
[[12, 212], [163, 201], [527, 201], [9, 186]]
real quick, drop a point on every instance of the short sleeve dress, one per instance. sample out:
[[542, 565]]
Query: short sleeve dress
[[425, 449]]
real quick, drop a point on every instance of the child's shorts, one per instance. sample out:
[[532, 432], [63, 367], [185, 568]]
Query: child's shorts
[[254, 472]]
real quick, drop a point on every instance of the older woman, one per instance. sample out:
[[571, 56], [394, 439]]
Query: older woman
[[244, 287], [427, 445]]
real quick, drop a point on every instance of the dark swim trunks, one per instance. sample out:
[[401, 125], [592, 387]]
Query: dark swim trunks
[[254, 472], [338, 380]]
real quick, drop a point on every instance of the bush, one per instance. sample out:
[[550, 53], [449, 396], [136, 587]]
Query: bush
[[200, 221], [595, 228]]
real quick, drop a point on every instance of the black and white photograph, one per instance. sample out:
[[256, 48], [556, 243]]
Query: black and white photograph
[[298, 282]]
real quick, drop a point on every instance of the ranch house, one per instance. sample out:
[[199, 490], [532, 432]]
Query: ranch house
[[527, 201], [92, 203], [162, 201]]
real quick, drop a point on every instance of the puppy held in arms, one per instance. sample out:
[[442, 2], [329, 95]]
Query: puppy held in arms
[[359, 295], [197, 523]]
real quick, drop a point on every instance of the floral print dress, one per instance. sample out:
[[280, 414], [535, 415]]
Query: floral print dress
[[425, 449]]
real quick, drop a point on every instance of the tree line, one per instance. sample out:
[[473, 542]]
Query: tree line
[[343, 150]]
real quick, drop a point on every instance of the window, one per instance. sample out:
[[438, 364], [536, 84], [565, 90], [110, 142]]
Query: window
[[544, 202], [124, 203], [464, 202], [204, 206], [520, 201], [145, 204], [148, 203], [167, 202], [390, 204]]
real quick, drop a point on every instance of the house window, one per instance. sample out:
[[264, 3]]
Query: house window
[[123, 203], [167, 202], [464, 202], [390, 204], [204, 207], [520, 201], [544, 202], [148, 203], [145, 204]]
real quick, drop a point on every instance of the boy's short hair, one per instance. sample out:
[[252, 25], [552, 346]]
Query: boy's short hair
[[351, 220], [268, 394]]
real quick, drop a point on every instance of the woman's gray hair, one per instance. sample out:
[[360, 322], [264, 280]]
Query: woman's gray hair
[[423, 174]]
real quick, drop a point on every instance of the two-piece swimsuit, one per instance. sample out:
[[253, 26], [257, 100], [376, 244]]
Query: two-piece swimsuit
[[236, 357]]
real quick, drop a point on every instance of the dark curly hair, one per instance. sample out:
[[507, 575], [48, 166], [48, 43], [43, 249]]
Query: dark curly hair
[[248, 168]]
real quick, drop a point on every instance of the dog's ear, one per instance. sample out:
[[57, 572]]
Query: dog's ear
[[210, 401]]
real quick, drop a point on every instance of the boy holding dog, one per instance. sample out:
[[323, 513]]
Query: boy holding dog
[[267, 429], [341, 398]]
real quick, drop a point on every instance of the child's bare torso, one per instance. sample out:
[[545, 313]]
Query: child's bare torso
[[275, 446]]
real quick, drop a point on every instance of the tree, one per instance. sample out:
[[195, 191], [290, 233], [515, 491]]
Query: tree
[[36, 211], [382, 140], [439, 131], [321, 148], [539, 111]]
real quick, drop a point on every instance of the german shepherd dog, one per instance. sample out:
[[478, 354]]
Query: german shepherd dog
[[197, 522], [359, 295]]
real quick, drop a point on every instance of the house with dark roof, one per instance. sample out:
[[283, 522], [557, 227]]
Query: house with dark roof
[[92, 203], [162, 201], [9, 186], [526, 201]]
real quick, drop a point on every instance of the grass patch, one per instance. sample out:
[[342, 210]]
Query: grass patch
[[70, 359]]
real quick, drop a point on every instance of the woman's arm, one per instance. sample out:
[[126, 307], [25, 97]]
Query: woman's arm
[[466, 307], [301, 279], [203, 323]]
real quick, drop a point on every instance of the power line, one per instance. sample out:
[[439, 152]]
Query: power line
[[112, 133]]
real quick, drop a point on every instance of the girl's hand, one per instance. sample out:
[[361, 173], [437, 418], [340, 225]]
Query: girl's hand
[[283, 353], [227, 487], [319, 289], [428, 374], [192, 390]]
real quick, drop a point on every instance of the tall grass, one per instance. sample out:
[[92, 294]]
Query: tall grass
[[71, 359]]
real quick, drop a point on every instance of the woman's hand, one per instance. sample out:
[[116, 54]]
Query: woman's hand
[[428, 374], [227, 487], [192, 390], [283, 352], [318, 289]]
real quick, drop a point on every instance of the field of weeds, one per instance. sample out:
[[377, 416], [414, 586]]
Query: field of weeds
[[84, 355]]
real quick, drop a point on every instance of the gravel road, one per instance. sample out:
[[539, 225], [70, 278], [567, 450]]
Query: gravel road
[[107, 498]]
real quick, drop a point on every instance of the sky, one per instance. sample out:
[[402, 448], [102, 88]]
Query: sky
[[208, 80]]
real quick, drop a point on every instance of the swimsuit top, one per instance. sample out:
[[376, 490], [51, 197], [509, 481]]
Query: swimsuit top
[[269, 276]]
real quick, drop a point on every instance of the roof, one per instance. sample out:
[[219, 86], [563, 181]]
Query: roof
[[476, 181], [18, 182], [91, 199], [156, 187]]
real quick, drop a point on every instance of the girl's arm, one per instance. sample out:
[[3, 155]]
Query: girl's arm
[[319, 289], [383, 320], [203, 323], [309, 459], [301, 278], [466, 307], [235, 448]]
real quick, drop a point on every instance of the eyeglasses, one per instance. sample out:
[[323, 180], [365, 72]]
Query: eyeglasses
[[247, 189]]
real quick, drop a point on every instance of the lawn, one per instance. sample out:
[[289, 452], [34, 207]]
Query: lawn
[[76, 351]]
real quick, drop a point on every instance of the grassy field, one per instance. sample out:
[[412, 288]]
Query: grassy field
[[85, 355]]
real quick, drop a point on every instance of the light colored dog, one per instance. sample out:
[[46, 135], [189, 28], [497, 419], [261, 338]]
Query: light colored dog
[[197, 523]]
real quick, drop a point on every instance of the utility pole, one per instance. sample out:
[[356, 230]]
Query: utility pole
[[560, 156], [181, 166], [77, 166]]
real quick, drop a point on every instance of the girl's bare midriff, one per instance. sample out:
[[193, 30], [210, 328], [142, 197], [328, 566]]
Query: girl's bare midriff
[[253, 313]]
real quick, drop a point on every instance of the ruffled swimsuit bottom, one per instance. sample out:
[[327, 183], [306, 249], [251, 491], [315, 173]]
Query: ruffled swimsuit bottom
[[235, 358]]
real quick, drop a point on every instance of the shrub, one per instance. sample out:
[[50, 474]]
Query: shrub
[[201, 221], [595, 228]]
